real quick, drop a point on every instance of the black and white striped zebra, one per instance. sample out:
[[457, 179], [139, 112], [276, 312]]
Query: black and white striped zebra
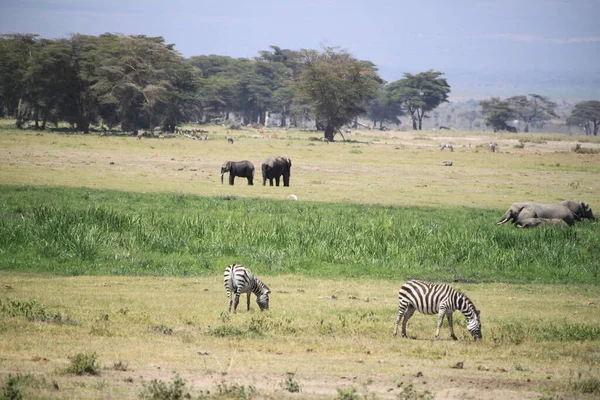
[[441, 299], [238, 279]]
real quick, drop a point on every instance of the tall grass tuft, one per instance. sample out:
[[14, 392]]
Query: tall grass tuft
[[80, 231]]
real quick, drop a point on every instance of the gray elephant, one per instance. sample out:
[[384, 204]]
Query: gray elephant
[[519, 212], [579, 209], [535, 222], [274, 168], [243, 169]]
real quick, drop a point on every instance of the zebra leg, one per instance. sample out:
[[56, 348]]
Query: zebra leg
[[441, 315], [409, 313], [452, 335], [230, 300], [236, 302], [248, 300], [401, 311]]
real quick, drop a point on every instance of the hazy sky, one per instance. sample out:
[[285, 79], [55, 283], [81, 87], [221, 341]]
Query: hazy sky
[[396, 35]]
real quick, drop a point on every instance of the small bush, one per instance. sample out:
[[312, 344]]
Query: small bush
[[410, 393], [588, 384], [235, 391], [165, 330], [32, 311], [226, 331], [83, 364], [290, 384], [158, 390], [11, 388], [235, 126]]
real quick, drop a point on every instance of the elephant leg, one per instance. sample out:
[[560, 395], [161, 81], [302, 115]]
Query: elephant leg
[[250, 181], [231, 178], [277, 181], [270, 181]]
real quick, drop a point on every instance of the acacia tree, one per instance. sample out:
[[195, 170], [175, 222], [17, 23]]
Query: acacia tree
[[532, 108], [15, 91], [336, 85], [419, 94], [586, 115], [380, 109], [135, 77], [496, 113]]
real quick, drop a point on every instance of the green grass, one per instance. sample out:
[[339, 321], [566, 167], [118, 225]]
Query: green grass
[[80, 231]]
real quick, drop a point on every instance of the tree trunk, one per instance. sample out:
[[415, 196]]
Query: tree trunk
[[262, 118], [283, 122], [414, 120], [329, 132], [526, 130]]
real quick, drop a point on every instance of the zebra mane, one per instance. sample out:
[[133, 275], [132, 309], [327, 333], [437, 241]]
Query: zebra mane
[[467, 300]]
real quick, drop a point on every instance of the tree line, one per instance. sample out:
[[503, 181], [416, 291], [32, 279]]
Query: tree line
[[141, 82]]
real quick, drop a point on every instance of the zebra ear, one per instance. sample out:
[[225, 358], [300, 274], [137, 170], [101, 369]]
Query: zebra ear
[[478, 312]]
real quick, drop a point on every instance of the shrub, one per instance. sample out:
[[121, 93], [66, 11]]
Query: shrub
[[83, 364], [32, 311], [290, 384], [235, 391], [588, 384], [410, 393], [158, 390]]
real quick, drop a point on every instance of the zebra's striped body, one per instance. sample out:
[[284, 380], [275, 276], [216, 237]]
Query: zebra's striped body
[[441, 299], [238, 279]]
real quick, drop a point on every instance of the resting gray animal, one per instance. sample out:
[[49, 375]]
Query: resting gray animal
[[519, 212], [579, 209], [535, 222]]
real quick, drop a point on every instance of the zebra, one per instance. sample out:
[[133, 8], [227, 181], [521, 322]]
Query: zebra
[[238, 279], [431, 298]]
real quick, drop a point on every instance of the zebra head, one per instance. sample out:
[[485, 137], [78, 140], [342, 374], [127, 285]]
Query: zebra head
[[263, 299], [474, 325]]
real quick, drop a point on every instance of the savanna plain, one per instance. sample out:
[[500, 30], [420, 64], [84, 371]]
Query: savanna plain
[[112, 253]]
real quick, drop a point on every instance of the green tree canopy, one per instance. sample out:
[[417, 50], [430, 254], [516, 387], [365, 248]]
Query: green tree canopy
[[532, 109], [496, 112], [419, 94], [586, 115], [336, 85]]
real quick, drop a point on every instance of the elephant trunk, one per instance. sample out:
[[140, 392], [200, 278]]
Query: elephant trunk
[[222, 173]]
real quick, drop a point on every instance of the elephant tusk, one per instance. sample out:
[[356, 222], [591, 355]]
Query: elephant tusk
[[222, 173], [502, 221]]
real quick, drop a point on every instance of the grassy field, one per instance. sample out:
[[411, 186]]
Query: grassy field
[[112, 252]]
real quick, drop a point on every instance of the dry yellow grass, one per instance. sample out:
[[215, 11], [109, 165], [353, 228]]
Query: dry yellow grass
[[385, 168], [327, 343]]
